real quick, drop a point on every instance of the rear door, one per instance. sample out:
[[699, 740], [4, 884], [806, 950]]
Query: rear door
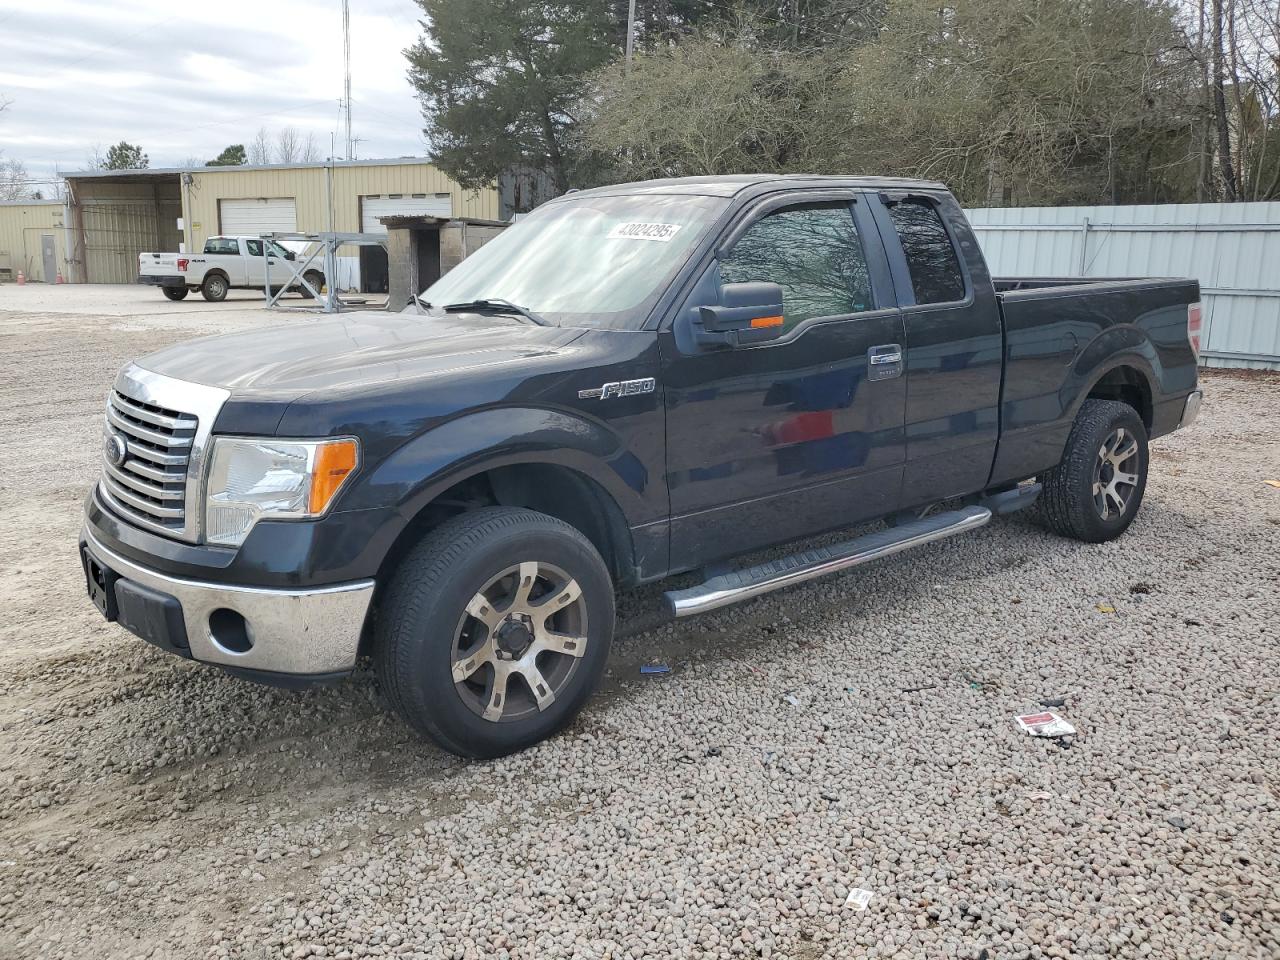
[[774, 441], [254, 266], [223, 253], [954, 346]]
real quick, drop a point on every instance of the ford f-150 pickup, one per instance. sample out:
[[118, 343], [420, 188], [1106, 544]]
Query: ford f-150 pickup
[[226, 263], [632, 382]]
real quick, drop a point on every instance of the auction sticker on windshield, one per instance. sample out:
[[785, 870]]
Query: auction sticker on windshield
[[660, 232]]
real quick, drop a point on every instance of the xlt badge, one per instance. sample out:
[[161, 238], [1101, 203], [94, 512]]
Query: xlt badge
[[621, 388]]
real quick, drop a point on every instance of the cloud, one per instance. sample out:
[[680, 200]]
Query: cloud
[[188, 83]]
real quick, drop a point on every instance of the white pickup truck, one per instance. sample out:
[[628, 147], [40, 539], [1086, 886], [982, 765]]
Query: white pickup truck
[[226, 263]]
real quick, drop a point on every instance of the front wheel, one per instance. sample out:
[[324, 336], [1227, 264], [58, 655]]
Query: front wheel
[[1095, 492], [175, 293], [494, 631]]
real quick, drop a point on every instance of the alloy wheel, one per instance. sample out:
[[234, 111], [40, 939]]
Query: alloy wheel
[[1115, 473], [519, 642]]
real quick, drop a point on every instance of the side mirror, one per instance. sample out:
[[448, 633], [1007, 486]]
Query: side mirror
[[290, 255], [747, 313]]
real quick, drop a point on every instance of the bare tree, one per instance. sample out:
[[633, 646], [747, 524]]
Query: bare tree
[[1221, 120], [288, 145], [14, 182], [310, 149], [260, 148]]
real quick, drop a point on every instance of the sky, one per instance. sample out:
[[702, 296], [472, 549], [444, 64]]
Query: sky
[[183, 80]]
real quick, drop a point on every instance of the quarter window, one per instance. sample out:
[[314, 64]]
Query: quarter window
[[931, 258], [813, 253]]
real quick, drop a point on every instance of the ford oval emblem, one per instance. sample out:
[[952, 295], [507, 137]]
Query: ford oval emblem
[[115, 449]]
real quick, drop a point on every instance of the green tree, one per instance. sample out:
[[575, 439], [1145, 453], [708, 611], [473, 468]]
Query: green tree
[[1027, 101], [232, 156], [125, 156], [500, 80], [712, 105]]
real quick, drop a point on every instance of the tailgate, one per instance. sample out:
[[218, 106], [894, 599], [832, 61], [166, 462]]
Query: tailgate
[[157, 264]]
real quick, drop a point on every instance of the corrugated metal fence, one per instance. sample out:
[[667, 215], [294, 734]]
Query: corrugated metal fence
[[1233, 249]]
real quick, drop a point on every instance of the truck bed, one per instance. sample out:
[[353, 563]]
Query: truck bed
[[1057, 331]]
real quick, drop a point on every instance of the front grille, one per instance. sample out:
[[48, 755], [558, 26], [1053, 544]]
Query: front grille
[[150, 485]]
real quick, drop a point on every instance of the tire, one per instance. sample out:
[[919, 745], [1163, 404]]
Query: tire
[[439, 643], [313, 278], [1081, 498], [214, 289], [175, 293]]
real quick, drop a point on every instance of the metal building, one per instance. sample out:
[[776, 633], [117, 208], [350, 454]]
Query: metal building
[[113, 215], [1233, 249], [32, 240]]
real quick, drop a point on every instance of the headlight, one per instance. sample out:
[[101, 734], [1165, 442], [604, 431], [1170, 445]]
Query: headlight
[[251, 479]]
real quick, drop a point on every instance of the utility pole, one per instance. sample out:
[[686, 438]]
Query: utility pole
[[346, 56], [631, 33]]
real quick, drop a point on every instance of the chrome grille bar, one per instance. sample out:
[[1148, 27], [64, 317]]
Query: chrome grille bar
[[157, 434]]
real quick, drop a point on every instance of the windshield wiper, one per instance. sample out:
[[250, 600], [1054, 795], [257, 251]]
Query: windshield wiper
[[495, 305]]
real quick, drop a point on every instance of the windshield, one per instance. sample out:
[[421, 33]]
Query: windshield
[[594, 260]]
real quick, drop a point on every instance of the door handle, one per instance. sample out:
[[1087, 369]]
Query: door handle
[[884, 362]]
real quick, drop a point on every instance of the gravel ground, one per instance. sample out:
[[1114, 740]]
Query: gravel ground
[[855, 733]]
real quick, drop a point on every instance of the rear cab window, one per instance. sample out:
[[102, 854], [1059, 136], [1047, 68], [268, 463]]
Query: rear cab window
[[936, 276], [813, 252], [221, 245]]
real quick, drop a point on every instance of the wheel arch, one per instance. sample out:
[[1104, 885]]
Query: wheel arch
[[564, 492], [1128, 383]]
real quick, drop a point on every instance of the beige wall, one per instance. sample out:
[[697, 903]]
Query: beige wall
[[118, 220], [306, 186], [21, 226]]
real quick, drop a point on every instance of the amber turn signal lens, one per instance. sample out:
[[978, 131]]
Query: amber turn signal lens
[[335, 461], [760, 322]]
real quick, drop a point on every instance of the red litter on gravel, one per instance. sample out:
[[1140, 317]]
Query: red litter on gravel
[[1047, 724]]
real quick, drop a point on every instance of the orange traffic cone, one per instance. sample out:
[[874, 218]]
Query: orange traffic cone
[[59, 280], [21, 278]]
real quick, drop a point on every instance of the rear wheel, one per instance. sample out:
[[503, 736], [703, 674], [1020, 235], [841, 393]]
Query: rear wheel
[[175, 293], [1095, 492], [214, 289], [315, 279], [494, 631]]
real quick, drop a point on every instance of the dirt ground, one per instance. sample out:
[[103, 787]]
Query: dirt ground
[[803, 745]]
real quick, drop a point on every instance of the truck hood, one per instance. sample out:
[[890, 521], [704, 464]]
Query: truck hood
[[354, 351]]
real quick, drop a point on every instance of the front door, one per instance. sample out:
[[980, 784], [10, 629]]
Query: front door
[[801, 434]]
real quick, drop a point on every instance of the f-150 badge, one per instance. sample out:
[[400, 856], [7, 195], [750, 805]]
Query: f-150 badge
[[622, 388]]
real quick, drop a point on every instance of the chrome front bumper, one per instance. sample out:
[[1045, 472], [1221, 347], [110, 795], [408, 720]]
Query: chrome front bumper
[[1192, 408], [312, 631]]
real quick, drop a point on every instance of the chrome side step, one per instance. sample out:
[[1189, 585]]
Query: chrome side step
[[728, 588]]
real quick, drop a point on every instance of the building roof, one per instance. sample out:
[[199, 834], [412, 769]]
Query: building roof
[[30, 203], [318, 165]]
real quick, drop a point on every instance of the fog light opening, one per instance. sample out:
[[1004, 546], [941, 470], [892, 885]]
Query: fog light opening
[[230, 631]]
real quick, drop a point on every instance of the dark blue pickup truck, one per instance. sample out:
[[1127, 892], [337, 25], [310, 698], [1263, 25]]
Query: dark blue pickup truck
[[631, 382]]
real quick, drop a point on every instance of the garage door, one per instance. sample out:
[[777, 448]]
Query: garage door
[[253, 217], [402, 205]]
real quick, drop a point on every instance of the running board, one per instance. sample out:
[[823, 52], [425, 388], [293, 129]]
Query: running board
[[728, 588]]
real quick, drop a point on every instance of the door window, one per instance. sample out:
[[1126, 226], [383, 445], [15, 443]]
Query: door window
[[813, 253], [254, 247], [931, 258]]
